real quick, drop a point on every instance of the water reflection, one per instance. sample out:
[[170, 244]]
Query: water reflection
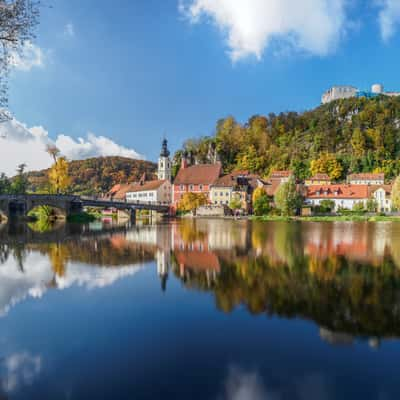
[[343, 276]]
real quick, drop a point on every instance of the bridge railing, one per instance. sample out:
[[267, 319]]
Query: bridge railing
[[135, 202]]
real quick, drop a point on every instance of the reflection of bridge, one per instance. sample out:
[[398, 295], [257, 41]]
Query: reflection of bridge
[[20, 205]]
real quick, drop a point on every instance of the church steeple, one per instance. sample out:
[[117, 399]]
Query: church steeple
[[164, 163]]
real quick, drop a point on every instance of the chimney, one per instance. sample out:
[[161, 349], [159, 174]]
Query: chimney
[[184, 162]]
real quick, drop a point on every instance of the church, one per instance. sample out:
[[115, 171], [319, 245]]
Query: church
[[154, 191]]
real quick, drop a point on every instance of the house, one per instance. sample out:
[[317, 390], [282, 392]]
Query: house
[[154, 191], [382, 196], [195, 179], [343, 195], [281, 176], [318, 179], [366, 179], [117, 192], [237, 185]]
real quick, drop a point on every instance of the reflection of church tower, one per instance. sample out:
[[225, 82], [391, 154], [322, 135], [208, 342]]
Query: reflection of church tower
[[163, 265], [164, 163]]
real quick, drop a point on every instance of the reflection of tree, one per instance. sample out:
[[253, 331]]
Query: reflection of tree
[[343, 291]]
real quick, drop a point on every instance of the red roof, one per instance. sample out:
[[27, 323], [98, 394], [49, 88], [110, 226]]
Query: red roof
[[366, 177], [344, 191], [280, 174], [144, 186], [118, 191], [205, 174], [320, 177]]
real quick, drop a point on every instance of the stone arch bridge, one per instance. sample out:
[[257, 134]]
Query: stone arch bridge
[[12, 206]]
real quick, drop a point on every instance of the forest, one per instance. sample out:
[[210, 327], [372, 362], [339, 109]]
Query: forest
[[341, 137], [96, 175]]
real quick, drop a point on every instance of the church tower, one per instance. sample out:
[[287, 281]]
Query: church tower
[[164, 163]]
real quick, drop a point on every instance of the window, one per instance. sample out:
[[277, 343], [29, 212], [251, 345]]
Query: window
[[226, 194], [161, 164], [221, 193], [201, 187], [191, 187], [181, 187]]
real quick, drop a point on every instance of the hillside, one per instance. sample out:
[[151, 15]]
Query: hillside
[[363, 135], [97, 175]]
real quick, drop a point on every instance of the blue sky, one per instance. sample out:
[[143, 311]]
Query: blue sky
[[134, 70]]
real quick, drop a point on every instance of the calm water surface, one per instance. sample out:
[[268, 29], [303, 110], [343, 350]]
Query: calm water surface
[[204, 309]]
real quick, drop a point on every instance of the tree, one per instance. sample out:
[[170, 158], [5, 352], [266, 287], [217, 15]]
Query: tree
[[286, 198], [358, 143], [372, 205], [58, 176], [327, 205], [261, 205], [53, 151], [327, 164], [190, 201], [20, 182], [395, 197], [359, 206], [235, 204], [5, 184], [258, 192], [18, 18]]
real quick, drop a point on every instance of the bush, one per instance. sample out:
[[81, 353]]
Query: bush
[[261, 205]]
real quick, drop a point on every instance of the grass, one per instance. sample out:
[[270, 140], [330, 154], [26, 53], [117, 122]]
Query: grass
[[332, 218]]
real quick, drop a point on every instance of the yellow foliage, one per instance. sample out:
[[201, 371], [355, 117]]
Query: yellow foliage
[[191, 201], [58, 176], [327, 164], [258, 192]]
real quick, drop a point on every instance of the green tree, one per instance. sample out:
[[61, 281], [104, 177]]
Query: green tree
[[20, 182], [5, 184], [358, 143], [286, 198], [261, 205], [235, 204], [372, 205]]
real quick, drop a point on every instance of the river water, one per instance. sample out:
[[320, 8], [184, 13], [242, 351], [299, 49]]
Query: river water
[[200, 309]]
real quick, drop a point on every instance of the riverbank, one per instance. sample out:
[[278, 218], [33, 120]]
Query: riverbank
[[330, 218]]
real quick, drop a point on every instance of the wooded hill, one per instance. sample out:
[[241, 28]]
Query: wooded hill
[[362, 135], [97, 175]]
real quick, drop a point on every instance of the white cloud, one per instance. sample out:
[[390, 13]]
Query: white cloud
[[250, 26], [20, 369], [21, 144], [389, 17], [93, 146], [30, 57], [69, 30]]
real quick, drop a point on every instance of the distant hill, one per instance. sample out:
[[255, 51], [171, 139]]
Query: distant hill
[[97, 175], [362, 134]]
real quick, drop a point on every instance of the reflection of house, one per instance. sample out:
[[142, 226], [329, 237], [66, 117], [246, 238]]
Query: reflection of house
[[318, 179], [195, 179], [366, 179], [238, 185]]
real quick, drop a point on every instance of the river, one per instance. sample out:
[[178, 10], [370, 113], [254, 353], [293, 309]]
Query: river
[[200, 309]]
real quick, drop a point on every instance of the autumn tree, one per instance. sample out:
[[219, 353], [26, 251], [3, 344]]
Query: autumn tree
[[395, 196], [286, 198], [191, 201], [18, 18], [327, 163], [58, 176], [358, 143]]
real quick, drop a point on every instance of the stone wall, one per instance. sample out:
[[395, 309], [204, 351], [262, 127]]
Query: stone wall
[[212, 211]]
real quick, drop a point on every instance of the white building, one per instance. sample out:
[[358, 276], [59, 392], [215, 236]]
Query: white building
[[338, 92], [366, 179], [156, 191], [382, 196]]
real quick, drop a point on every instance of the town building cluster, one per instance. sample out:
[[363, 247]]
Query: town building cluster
[[221, 189]]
